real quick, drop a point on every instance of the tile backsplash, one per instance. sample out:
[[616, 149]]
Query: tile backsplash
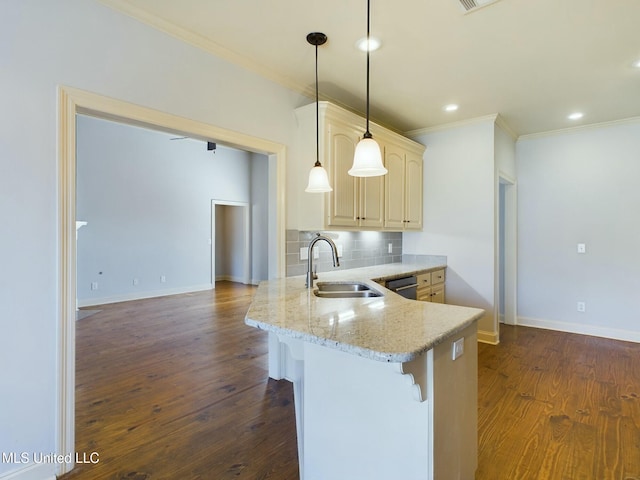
[[359, 249]]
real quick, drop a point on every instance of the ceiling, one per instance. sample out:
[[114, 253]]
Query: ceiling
[[532, 61]]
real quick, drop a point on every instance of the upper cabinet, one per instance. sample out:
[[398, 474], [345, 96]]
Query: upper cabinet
[[403, 189], [354, 202], [391, 202]]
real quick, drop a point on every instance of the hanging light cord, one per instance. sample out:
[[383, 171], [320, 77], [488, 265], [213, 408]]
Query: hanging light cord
[[318, 164], [367, 133]]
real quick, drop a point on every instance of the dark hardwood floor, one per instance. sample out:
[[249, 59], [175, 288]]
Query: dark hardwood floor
[[177, 388], [558, 406]]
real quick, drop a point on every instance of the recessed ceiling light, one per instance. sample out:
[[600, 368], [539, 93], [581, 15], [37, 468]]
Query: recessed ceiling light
[[374, 44], [576, 116], [452, 107]]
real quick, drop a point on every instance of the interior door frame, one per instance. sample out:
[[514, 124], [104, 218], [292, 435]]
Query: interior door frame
[[510, 252], [246, 244], [73, 101]]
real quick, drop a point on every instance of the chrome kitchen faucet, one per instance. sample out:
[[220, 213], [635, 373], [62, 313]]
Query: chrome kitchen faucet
[[334, 250]]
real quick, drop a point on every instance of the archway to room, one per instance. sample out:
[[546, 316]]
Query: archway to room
[[71, 103], [144, 197]]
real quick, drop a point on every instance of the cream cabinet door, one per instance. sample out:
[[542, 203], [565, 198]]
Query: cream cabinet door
[[371, 211], [343, 200], [437, 293], [394, 188], [413, 192], [403, 189], [354, 202]]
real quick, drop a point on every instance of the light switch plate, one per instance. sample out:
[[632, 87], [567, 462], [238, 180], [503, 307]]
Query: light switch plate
[[582, 248]]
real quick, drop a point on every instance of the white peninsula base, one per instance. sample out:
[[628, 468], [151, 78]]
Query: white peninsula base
[[359, 418]]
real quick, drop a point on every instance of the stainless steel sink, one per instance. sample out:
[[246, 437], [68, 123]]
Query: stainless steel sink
[[342, 286], [345, 290]]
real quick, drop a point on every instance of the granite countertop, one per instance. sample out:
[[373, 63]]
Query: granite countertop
[[389, 328]]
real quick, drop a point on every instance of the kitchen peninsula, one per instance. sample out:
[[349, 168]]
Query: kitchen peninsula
[[377, 392]]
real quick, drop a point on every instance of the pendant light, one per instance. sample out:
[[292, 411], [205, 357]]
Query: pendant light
[[367, 160], [318, 178]]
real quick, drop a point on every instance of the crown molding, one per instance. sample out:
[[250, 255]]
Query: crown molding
[[501, 122], [447, 126], [581, 128]]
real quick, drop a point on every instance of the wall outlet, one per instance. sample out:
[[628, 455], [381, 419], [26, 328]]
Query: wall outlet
[[390, 248], [163, 279], [304, 253], [582, 307], [339, 247], [582, 248], [136, 281], [457, 348], [94, 285]]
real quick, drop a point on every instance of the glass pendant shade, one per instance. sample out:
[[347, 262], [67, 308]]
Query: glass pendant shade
[[318, 180], [367, 161]]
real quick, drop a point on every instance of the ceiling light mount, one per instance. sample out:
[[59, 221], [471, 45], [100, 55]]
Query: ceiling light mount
[[317, 38]]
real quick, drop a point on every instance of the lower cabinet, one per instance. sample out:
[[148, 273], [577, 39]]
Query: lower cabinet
[[431, 286]]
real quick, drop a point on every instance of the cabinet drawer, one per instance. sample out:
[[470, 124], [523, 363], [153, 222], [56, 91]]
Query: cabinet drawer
[[437, 276], [424, 279]]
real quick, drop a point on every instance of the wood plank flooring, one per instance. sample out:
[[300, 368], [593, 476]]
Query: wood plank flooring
[[558, 406], [177, 388]]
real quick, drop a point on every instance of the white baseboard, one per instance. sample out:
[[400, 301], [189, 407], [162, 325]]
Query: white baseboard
[[595, 331], [32, 471], [488, 337], [90, 302]]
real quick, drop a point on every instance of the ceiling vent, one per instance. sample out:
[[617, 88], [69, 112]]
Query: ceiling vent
[[472, 5]]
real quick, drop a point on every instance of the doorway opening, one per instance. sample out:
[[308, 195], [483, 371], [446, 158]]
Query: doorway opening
[[71, 102], [231, 245], [506, 290]]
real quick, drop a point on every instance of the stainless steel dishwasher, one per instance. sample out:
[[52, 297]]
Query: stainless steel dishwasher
[[405, 286]]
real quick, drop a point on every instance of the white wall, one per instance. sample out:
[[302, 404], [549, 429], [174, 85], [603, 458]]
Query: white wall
[[506, 227], [84, 44], [459, 211], [259, 217], [147, 201], [580, 187]]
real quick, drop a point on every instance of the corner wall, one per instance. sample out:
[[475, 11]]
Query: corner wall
[[459, 214]]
